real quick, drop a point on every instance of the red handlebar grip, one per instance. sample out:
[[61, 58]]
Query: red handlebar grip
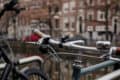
[[118, 51], [38, 32]]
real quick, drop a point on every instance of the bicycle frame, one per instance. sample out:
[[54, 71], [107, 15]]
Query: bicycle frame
[[25, 61], [87, 70], [110, 76], [77, 70], [10, 66]]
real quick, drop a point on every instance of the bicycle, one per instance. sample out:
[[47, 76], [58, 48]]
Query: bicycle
[[104, 48], [11, 68]]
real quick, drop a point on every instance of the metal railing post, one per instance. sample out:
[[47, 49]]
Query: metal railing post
[[76, 72], [97, 67]]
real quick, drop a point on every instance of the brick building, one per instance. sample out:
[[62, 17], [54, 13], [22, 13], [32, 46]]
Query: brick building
[[4, 20], [88, 18], [41, 14], [32, 17], [60, 17]]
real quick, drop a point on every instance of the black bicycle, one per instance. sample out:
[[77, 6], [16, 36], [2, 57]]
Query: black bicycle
[[11, 70]]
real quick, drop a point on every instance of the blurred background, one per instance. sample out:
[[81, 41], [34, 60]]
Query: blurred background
[[88, 19]]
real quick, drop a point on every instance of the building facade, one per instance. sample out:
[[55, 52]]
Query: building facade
[[32, 17], [91, 18], [41, 14]]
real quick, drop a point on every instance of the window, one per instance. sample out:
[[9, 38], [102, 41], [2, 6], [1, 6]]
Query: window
[[98, 2], [57, 23], [81, 3], [90, 28], [115, 26], [90, 15], [35, 5], [65, 7], [72, 5], [80, 24], [80, 18], [73, 25], [66, 25], [90, 2], [109, 1], [101, 15], [56, 9], [101, 2]]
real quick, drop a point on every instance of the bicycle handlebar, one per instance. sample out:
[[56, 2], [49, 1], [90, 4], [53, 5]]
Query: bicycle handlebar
[[70, 44], [114, 51], [8, 6], [117, 50], [25, 61], [73, 45], [40, 33], [110, 76]]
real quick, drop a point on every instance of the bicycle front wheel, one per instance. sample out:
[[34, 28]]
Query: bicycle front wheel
[[35, 74]]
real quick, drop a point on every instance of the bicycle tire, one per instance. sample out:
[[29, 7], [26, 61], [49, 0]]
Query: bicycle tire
[[35, 74], [17, 76]]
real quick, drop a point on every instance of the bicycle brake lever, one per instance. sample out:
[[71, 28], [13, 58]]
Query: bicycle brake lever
[[64, 39], [114, 51], [104, 56]]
